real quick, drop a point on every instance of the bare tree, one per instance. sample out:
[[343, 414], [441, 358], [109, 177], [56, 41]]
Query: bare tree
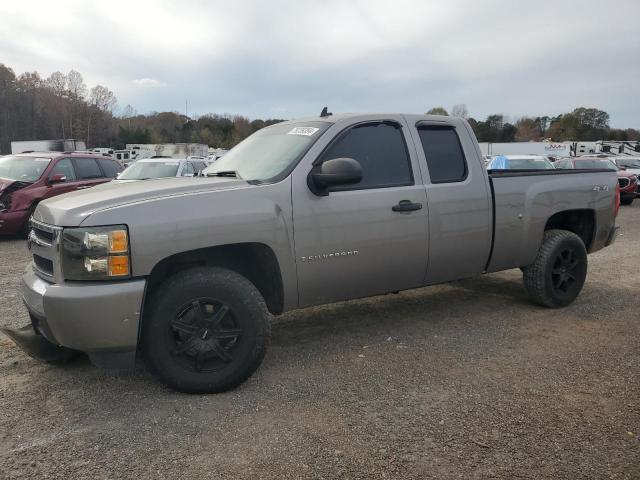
[[437, 111], [76, 86], [460, 110], [101, 99], [77, 90], [57, 82]]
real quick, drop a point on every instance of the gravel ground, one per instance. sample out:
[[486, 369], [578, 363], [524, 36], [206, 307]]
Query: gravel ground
[[466, 380]]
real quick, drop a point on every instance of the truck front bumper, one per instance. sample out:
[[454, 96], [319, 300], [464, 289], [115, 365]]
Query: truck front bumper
[[99, 318]]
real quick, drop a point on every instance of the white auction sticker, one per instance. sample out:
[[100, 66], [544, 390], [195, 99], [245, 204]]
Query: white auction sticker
[[307, 131]]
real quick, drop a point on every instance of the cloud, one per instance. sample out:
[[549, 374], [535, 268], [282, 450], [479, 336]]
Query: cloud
[[148, 82], [288, 59]]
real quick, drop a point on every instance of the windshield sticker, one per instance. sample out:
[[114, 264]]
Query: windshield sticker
[[306, 131]]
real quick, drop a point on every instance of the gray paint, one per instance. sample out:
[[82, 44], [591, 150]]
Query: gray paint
[[89, 317], [345, 245]]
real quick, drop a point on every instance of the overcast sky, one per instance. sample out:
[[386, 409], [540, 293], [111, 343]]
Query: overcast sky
[[290, 58]]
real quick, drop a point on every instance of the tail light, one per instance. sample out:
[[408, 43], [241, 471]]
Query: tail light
[[617, 207]]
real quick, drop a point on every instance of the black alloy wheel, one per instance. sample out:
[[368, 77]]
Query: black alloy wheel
[[205, 333]]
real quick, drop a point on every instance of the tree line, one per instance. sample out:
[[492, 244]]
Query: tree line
[[587, 124], [62, 106]]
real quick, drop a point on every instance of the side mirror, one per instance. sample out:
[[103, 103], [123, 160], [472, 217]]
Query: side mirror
[[333, 173], [57, 178]]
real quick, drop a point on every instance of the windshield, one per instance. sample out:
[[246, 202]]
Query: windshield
[[595, 164], [144, 170], [24, 169], [530, 164], [271, 152]]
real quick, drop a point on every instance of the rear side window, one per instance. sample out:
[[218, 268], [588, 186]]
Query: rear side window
[[187, 170], [111, 168], [381, 151], [564, 164], [87, 168], [443, 151], [64, 167]]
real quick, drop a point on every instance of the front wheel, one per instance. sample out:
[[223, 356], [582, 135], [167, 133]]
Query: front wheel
[[207, 330], [558, 273]]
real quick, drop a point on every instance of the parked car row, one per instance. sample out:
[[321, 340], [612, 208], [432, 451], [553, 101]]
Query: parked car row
[[149, 168], [28, 178], [627, 168]]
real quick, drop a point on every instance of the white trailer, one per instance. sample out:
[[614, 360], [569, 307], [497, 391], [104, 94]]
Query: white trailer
[[173, 150], [63, 145], [526, 148], [131, 156]]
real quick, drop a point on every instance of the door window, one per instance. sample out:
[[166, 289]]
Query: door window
[[87, 169], [381, 151], [187, 170], [64, 167], [445, 158], [563, 164], [111, 168]]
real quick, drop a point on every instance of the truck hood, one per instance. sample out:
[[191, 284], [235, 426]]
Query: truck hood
[[7, 185], [71, 209]]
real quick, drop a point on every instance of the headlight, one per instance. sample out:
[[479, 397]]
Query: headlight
[[96, 253]]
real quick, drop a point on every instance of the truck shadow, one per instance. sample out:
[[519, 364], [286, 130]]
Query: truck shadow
[[483, 307], [12, 238]]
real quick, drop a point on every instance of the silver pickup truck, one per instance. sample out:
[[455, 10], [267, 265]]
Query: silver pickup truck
[[185, 273]]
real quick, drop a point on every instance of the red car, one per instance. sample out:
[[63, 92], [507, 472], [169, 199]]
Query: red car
[[28, 178], [628, 181]]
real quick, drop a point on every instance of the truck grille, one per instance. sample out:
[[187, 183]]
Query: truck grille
[[44, 265], [623, 182], [43, 244]]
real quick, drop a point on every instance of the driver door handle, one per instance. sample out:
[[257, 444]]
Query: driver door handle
[[406, 206]]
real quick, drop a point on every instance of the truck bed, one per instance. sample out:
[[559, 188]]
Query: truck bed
[[525, 200]]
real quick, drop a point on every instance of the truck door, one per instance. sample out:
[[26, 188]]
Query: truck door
[[459, 200], [368, 238]]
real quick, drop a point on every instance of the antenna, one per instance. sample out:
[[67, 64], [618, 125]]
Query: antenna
[[325, 113]]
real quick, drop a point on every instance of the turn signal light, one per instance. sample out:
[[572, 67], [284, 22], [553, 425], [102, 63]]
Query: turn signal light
[[118, 241], [118, 265]]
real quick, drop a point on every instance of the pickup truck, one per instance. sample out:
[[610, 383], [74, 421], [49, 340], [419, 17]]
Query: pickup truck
[[185, 273]]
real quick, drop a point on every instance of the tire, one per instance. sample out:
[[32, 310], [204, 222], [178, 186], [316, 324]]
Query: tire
[[557, 275], [626, 200], [206, 331]]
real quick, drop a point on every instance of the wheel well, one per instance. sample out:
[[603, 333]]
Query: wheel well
[[254, 261], [580, 222]]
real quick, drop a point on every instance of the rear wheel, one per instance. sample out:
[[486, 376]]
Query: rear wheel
[[558, 273], [207, 330], [626, 200]]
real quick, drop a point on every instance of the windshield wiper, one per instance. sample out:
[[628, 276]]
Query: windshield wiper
[[225, 173]]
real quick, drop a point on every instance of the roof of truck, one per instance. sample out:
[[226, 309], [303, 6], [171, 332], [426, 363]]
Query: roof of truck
[[333, 118]]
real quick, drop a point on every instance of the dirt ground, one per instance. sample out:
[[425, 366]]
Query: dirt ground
[[466, 380]]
